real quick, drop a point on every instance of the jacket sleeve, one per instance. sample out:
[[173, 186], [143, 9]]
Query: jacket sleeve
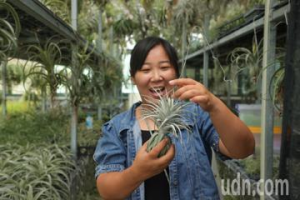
[[209, 134], [110, 153]]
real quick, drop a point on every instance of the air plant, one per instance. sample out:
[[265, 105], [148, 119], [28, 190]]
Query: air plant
[[167, 117]]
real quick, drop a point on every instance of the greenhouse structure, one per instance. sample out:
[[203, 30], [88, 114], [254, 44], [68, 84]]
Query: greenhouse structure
[[65, 73]]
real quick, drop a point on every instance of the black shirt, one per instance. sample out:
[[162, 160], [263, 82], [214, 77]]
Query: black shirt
[[156, 187]]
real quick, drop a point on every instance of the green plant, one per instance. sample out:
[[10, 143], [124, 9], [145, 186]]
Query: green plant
[[8, 32], [276, 88], [246, 64], [167, 117], [88, 19], [78, 74], [88, 190], [58, 7], [14, 75], [44, 58], [8, 42], [35, 172], [16, 107], [34, 127], [106, 79], [251, 166], [89, 137]]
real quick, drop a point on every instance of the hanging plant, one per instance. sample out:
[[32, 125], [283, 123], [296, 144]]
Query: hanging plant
[[8, 31], [45, 57], [276, 89]]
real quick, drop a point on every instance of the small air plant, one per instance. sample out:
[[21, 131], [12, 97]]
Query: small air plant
[[167, 117]]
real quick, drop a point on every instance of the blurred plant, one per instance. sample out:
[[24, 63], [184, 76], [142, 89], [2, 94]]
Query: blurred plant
[[251, 166], [42, 69], [34, 127], [14, 75], [246, 65], [35, 172], [78, 74], [276, 89], [58, 7], [89, 137], [88, 20], [124, 26], [220, 75], [78, 83], [15, 107], [106, 79], [242, 58], [9, 32]]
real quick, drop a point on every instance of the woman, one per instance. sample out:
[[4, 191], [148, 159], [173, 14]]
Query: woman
[[126, 170]]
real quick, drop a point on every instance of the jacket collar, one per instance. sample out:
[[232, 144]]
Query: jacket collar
[[128, 119]]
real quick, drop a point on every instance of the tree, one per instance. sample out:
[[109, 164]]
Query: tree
[[8, 42]]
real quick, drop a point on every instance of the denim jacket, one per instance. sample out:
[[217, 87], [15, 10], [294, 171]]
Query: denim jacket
[[190, 171]]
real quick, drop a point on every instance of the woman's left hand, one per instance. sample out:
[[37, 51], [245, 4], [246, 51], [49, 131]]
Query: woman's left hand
[[189, 89]]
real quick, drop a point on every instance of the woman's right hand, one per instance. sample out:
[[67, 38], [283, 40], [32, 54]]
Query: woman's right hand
[[147, 164]]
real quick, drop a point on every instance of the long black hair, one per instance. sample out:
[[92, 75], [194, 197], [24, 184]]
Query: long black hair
[[142, 48]]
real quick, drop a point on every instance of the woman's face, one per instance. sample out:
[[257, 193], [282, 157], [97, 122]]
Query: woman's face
[[152, 80]]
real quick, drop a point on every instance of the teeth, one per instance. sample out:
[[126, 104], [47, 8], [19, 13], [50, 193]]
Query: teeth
[[157, 89]]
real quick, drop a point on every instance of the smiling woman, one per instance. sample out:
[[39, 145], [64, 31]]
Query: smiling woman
[[126, 168], [152, 80]]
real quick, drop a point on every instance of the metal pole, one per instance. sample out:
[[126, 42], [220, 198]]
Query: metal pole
[[74, 10], [74, 111], [99, 38], [4, 108], [267, 112], [206, 53], [183, 48], [99, 48], [290, 148]]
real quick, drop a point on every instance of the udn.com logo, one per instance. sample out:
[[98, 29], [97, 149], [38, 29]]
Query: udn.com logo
[[239, 186]]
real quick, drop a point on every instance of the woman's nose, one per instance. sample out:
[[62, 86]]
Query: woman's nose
[[156, 76]]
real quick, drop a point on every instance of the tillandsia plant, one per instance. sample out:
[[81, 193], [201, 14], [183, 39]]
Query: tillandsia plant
[[166, 114]]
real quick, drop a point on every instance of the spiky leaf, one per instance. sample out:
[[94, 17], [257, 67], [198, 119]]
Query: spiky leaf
[[157, 138], [167, 116]]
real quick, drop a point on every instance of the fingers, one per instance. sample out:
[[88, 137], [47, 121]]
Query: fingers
[[188, 88], [168, 157], [149, 164], [182, 81], [170, 153], [159, 147], [194, 91], [200, 100], [187, 92]]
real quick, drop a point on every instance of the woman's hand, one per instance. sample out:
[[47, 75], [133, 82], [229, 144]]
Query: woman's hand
[[189, 89], [147, 164], [236, 140]]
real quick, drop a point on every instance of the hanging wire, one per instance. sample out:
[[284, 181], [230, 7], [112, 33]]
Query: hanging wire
[[184, 59], [207, 44]]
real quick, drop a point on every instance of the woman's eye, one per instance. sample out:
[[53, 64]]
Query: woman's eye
[[145, 70], [165, 67]]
